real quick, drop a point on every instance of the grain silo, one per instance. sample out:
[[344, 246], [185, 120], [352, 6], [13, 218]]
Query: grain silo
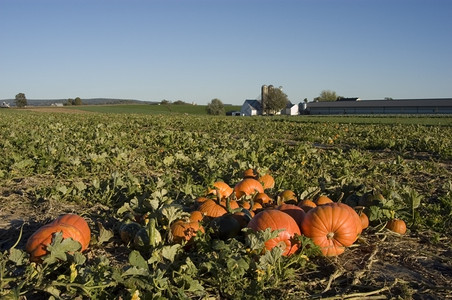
[[264, 93]]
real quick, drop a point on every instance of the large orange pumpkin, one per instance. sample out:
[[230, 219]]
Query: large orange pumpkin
[[276, 219], [247, 186], [37, 243], [79, 223], [332, 227]]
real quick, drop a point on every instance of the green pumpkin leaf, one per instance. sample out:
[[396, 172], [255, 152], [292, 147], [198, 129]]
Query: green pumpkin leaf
[[170, 252], [136, 260], [104, 234], [17, 256], [59, 248]]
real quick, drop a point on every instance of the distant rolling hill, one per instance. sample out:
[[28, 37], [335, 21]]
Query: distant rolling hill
[[92, 101]]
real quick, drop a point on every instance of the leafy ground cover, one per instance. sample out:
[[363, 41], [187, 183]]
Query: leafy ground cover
[[113, 169]]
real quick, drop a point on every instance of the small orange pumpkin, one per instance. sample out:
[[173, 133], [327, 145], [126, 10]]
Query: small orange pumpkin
[[196, 216], [267, 181], [364, 220], [221, 189], [232, 204], [247, 186], [397, 225], [250, 173], [247, 205], [287, 196], [276, 219], [185, 231], [323, 200], [263, 199], [212, 209], [307, 204]]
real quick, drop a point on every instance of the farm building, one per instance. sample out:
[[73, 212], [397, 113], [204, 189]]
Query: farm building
[[251, 108], [405, 106], [292, 109]]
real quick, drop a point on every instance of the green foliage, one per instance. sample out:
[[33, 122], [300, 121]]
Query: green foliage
[[327, 95], [215, 107], [149, 169], [21, 100], [275, 101]]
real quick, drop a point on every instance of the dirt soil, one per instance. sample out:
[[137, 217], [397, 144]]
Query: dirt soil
[[382, 265], [56, 109]]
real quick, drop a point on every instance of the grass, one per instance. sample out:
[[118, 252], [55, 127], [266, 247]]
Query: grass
[[150, 109]]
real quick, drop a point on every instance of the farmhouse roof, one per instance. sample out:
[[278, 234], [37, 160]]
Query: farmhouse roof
[[386, 103], [256, 104]]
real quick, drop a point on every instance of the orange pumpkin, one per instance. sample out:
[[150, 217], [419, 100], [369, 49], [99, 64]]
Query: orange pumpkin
[[332, 227], [212, 209], [185, 231], [323, 200], [196, 216], [267, 181], [221, 189], [263, 199], [397, 225], [247, 186], [287, 196], [256, 206], [307, 204], [296, 212], [37, 243], [232, 204], [250, 173], [364, 220], [79, 223], [276, 219]]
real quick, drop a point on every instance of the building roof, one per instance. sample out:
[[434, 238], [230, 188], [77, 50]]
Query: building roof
[[383, 103], [255, 104]]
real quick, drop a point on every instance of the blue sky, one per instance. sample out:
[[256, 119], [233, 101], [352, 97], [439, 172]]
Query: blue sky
[[197, 50]]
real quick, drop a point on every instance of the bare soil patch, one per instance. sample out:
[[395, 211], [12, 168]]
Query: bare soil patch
[[55, 109]]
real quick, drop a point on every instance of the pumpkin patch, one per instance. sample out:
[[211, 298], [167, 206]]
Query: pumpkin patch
[[159, 194]]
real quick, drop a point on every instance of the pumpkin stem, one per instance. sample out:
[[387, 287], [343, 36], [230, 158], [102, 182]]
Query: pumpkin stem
[[151, 232], [330, 235], [340, 197], [228, 205]]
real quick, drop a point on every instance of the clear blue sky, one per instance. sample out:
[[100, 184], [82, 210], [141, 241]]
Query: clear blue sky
[[197, 50]]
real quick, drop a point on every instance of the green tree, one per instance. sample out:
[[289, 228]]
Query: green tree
[[78, 101], [275, 101], [327, 95], [215, 107], [21, 100]]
